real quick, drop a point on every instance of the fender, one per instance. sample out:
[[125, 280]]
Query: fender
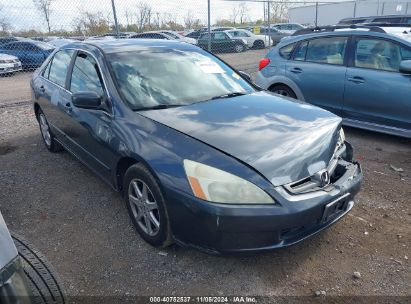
[[278, 79]]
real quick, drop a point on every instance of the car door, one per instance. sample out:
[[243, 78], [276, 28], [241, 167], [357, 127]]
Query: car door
[[376, 92], [220, 41], [90, 131], [53, 95], [247, 37], [318, 69]]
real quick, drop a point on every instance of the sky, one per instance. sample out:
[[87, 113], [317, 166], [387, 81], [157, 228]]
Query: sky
[[22, 14]]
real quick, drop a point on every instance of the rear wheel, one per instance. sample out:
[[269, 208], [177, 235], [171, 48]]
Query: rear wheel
[[41, 277], [283, 90], [239, 48]]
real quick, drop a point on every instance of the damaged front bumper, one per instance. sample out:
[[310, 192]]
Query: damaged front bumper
[[222, 228]]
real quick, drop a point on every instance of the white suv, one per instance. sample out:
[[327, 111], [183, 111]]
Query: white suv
[[253, 41], [287, 28]]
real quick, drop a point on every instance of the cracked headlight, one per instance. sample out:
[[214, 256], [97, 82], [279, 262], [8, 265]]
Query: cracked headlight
[[218, 186]]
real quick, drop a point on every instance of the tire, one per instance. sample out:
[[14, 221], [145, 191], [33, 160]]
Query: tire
[[147, 212], [48, 138], [283, 90], [239, 48], [42, 279], [259, 44]]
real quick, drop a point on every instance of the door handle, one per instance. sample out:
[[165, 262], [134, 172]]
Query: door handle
[[42, 89], [68, 108], [356, 79], [296, 70]]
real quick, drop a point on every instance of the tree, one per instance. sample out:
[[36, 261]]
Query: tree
[[143, 15], [5, 26], [234, 15], [189, 20], [279, 10], [44, 7], [90, 24], [129, 17], [242, 12]]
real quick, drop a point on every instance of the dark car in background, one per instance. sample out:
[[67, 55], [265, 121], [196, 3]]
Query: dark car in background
[[152, 35], [361, 74], [5, 40], [222, 42], [274, 34], [393, 19], [31, 53], [202, 156], [26, 277]]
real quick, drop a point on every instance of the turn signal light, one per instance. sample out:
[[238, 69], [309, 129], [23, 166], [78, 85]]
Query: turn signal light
[[263, 63]]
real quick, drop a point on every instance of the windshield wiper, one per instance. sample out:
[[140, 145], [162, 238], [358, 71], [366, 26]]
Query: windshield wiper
[[234, 94], [158, 107]]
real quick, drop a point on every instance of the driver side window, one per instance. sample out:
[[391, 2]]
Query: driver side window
[[86, 76]]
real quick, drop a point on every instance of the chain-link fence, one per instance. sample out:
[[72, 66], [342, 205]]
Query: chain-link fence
[[238, 31], [31, 29]]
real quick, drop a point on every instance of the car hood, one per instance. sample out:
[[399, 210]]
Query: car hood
[[8, 251], [284, 140], [7, 57]]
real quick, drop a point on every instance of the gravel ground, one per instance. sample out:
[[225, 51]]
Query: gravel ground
[[83, 228]]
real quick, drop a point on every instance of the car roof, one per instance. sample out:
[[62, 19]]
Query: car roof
[[128, 45], [372, 17], [394, 33]]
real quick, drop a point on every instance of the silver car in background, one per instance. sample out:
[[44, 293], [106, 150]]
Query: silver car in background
[[9, 64]]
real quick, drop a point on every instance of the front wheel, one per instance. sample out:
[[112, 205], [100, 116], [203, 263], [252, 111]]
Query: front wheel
[[146, 206], [239, 48], [48, 138]]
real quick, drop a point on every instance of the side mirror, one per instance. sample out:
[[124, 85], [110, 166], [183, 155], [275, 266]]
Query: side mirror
[[86, 100], [405, 66], [245, 75]]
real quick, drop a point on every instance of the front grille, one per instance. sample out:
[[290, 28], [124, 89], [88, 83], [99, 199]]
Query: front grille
[[335, 170]]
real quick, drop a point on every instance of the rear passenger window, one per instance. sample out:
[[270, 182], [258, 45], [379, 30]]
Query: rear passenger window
[[330, 50], [301, 51], [380, 54], [286, 51], [59, 66]]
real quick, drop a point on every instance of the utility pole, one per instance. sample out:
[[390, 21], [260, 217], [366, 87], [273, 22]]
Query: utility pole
[[269, 23], [115, 18], [209, 25], [316, 14]]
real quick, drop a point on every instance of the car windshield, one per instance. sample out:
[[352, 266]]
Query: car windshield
[[161, 78]]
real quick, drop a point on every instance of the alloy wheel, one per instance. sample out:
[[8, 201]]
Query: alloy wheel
[[144, 207], [239, 48]]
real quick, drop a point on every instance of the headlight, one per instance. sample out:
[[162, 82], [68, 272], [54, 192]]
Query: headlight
[[218, 186]]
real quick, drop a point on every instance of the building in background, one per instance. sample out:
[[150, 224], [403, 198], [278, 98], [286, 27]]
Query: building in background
[[331, 13]]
